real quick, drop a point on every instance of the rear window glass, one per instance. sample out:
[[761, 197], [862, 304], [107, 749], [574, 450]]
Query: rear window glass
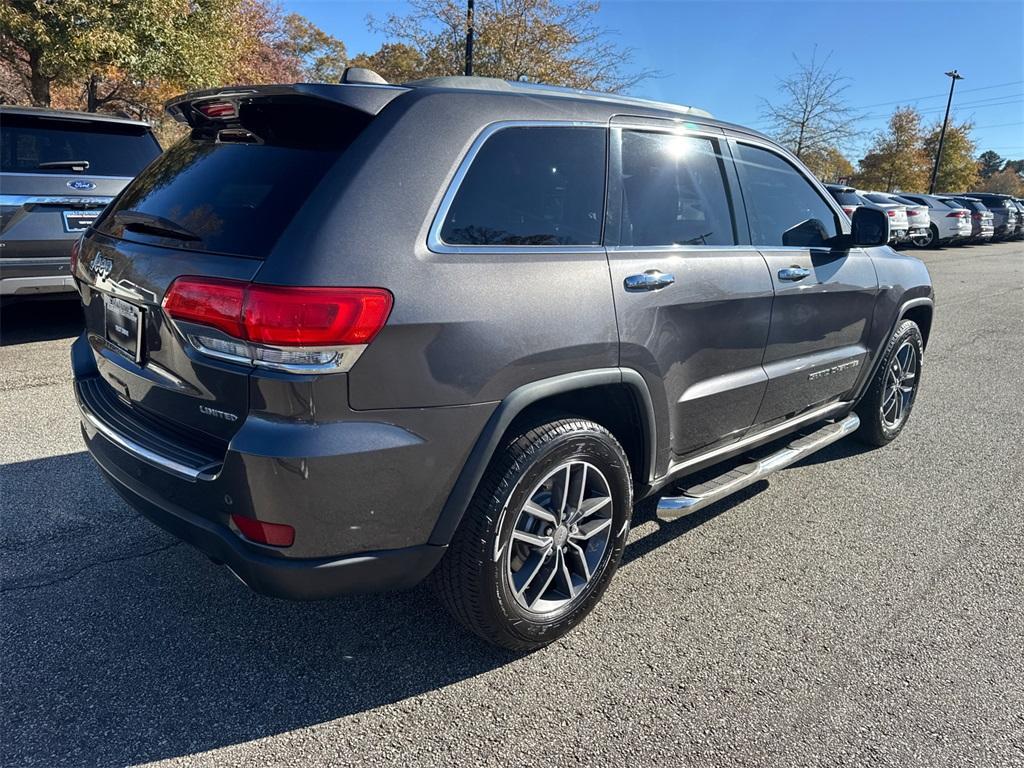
[[531, 186], [234, 196], [111, 149], [674, 191], [876, 198], [846, 198]]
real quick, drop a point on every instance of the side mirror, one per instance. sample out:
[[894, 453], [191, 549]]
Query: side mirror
[[870, 227]]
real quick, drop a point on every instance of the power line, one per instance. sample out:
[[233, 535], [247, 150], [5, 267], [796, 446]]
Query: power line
[[938, 95]]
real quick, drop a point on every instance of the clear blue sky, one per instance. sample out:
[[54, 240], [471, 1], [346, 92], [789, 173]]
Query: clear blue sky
[[723, 56]]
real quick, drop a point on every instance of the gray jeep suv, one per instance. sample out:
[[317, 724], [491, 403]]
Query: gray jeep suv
[[346, 337], [58, 170]]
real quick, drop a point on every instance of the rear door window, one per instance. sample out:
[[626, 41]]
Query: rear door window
[[235, 191], [674, 191], [30, 144], [531, 186], [783, 208]]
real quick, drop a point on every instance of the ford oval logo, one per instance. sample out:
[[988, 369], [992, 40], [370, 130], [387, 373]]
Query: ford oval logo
[[81, 184]]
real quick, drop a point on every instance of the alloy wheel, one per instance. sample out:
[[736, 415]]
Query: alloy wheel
[[560, 538], [900, 384]]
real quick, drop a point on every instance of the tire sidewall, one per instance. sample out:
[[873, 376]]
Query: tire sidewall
[[599, 449], [877, 431]]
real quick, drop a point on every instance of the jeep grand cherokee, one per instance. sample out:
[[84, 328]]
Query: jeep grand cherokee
[[348, 337]]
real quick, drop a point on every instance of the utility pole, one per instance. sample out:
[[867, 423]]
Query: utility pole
[[954, 75], [469, 39]]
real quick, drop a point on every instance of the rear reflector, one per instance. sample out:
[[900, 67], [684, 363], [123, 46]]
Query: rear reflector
[[274, 534]]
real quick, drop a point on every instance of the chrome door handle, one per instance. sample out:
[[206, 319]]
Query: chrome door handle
[[651, 280], [793, 273]]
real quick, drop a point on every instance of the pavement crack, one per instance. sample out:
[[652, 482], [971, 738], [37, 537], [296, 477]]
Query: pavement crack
[[89, 566]]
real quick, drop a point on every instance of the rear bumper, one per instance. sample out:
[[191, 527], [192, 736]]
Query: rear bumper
[[30, 276], [363, 493], [304, 579]]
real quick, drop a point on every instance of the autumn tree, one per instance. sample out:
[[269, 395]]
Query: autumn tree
[[829, 164], [52, 44], [989, 162], [538, 40], [321, 57], [897, 159], [395, 62], [1005, 182], [812, 114], [958, 170]]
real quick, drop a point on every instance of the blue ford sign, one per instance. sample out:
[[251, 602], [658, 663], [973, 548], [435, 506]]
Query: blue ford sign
[[81, 184]]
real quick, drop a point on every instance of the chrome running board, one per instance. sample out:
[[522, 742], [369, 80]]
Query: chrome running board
[[700, 496]]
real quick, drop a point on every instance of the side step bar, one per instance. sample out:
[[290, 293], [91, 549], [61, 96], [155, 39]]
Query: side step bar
[[700, 496]]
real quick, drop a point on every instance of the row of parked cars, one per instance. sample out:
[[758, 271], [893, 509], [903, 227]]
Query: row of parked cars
[[930, 221]]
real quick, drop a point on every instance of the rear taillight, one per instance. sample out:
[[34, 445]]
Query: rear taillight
[[891, 213], [849, 209], [976, 216], [953, 215], [303, 330], [274, 534]]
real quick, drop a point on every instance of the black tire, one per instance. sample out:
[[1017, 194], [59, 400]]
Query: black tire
[[473, 579], [875, 428]]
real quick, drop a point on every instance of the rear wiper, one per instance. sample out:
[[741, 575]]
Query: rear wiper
[[72, 165], [147, 223]]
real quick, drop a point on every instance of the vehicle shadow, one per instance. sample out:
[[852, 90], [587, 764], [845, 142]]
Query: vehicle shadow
[[122, 646], [38, 319]]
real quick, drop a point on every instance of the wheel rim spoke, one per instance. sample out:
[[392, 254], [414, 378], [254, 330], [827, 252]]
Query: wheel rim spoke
[[533, 508], [581, 558], [560, 538], [540, 558], [900, 385], [591, 529], [533, 539]]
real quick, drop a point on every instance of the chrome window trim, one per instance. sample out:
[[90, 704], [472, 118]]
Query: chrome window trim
[[434, 241]]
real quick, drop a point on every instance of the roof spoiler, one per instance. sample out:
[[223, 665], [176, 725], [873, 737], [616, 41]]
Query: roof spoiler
[[361, 97]]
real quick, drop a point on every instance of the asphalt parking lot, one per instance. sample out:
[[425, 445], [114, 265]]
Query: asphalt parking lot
[[863, 608]]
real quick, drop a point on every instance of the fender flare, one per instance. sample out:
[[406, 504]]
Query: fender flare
[[900, 315], [512, 406]]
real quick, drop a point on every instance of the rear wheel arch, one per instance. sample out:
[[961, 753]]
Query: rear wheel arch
[[616, 398]]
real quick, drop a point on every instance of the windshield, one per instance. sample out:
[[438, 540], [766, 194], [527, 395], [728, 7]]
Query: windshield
[[30, 144]]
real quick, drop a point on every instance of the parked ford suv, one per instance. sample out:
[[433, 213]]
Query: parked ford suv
[[58, 170], [348, 337]]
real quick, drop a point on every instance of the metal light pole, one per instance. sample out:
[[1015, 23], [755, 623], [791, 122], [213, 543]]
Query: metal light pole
[[945, 121], [469, 39]]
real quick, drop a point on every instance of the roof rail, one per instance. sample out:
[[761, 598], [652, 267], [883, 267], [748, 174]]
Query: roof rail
[[519, 86]]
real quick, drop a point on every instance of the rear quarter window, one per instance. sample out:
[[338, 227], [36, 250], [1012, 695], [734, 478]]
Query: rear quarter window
[[531, 186]]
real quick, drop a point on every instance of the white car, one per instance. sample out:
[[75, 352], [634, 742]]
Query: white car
[[918, 219], [948, 224], [897, 213]]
